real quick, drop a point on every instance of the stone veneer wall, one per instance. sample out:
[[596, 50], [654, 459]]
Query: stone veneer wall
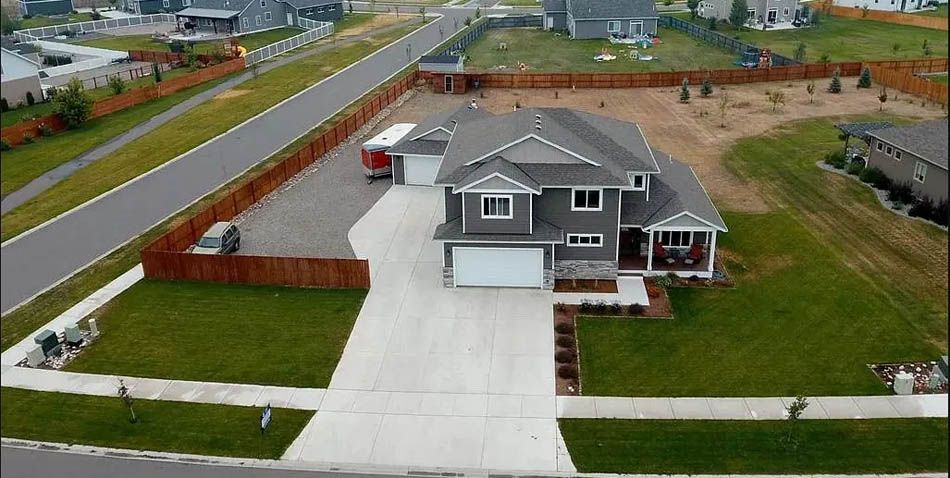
[[448, 278], [586, 269]]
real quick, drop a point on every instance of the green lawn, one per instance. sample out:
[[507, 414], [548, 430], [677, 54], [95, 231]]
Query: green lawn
[[844, 39], [745, 447], [521, 3], [252, 41], [26, 162], [42, 21], [941, 11], [542, 51], [189, 130], [223, 333], [942, 79], [178, 427], [826, 283]]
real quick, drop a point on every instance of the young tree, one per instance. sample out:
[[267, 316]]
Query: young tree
[[723, 109], [712, 23], [777, 98], [126, 396], [864, 81], [800, 52], [706, 89], [73, 104], [422, 11], [864, 11], [350, 4], [811, 91], [117, 84], [926, 48], [895, 48], [692, 5], [157, 72], [30, 99], [684, 91], [739, 13], [794, 411], [8, 24], [882, 98], [824, 58], [835, 86], [478, 12]]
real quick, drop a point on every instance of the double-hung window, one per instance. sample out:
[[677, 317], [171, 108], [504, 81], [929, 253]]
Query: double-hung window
[[257, 20], [585, 240], [586, 200], [920, 172], [613, 26], [880, 146], [888, 150], [898, 154], [267, 17], [496, 206], [244, 23], [639, 182]]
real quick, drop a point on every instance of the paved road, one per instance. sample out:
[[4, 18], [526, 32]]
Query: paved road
[[43, 257]]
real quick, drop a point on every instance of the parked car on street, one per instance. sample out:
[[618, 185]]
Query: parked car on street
[[221, 238]]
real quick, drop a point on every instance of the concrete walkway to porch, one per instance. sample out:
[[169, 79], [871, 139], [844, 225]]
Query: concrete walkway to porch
[[630, 290]]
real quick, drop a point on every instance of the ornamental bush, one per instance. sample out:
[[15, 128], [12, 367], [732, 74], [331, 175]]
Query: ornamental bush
[[875, 177]]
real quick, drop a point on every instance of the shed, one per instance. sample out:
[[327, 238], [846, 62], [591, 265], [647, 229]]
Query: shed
[[442, 63]]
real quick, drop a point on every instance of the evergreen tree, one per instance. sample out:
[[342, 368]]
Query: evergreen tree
[[684, 91], [706, 89], [835, 86], [864, 81], [739, 13]]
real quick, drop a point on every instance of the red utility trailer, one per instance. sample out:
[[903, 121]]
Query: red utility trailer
[[376, 162]]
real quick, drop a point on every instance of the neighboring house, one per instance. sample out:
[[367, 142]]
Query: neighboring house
[[19, 75], [584, 19], [239, 17], [442, 63], [890, 5], [45, 7], [149, 7], [916, 155], [759, 11], [552, 193]]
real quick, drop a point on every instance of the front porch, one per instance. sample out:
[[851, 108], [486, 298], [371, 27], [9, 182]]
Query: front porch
[[684, 252]]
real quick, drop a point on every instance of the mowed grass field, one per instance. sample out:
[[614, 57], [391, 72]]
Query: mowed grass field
[[543, 52], [746, 447], [223, 333], [251, 41], [827, 283], [843, 39], [194, 428]]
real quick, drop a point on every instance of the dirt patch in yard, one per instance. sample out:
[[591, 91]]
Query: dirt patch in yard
[[691, 132], [377, 22], [228, 94]]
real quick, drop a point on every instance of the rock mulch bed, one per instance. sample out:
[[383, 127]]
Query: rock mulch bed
[[67, 354], [922, 372]]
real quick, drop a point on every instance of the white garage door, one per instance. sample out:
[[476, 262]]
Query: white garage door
[[498, 267], [420, 170]]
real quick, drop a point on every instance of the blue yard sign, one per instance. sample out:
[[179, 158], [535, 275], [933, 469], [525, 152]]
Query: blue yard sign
[[265, 418]]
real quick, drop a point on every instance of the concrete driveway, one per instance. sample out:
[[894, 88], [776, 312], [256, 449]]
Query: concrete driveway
[[433, 376]]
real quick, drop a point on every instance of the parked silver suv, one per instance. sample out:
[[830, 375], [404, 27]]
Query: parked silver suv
[[221, 238]]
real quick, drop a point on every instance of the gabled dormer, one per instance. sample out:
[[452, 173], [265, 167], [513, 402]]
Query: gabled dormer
[[497, 198]]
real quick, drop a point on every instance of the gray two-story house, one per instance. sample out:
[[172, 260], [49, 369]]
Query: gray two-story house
[[239, 17], [759, 12], [551, 193], [149, 7], [916, 155], [585, 19], [45, 7]]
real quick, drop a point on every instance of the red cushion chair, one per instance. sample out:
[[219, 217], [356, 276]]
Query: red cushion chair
[[695, 254], [659, 251]]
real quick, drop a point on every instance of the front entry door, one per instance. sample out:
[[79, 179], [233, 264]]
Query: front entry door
[[449, 84], [290, 19], [773, 16]]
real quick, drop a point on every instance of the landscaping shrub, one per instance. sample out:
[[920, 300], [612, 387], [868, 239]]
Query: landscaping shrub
[[615, 308], [560, 306], [942, 213], [156, 73], [706, 89], [663, 281], [567, 371], [564, 328], [635, 309], [684, 91], [835, 85], [5, 145], [73, 104], [855, 168], [923, 209], [600, 307], [28, 138], [902, 193], [565, 341], [565, 356], [836, 159], [4, 106], [586, 306], [96, 15], [117, 84], [875, 177], [712, 23], [30, 100], [46, 130], [864, 81], [56, 60]]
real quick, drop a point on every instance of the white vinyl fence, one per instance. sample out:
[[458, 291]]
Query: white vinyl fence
[[315, 31], [33, 34]]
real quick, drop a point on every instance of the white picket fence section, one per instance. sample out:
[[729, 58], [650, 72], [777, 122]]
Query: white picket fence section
[[33, 34], [315, 31]]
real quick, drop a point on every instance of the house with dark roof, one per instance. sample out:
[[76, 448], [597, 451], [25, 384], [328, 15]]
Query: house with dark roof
[[238, 17], [45, 7], [584, 19], [149, 7], [916, 155], [552, 193]]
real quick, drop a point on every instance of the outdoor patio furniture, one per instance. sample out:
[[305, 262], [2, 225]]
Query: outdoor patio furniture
[[695, 254], [660, 252]]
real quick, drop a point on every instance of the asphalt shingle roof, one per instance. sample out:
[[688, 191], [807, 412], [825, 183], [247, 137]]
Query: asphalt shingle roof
[[672, 192], [542, 231], [440, 59], [554, 5], [501, 166], [446, 119], [927, 140], [609, 9], [229, 5]]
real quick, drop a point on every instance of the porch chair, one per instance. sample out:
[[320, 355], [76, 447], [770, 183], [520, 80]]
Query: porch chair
[[695, 254], [660, 252]]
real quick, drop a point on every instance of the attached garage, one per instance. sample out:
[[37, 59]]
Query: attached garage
[[498, 267], [420, 170]]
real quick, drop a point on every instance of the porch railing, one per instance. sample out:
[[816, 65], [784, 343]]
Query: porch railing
[[315, 31]]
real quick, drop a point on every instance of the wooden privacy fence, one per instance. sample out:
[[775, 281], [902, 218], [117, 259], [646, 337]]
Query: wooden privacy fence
[[654, 79], [15, 134], [935, 23], [920, 65], [165, 56], [164, 258], [909, 83]]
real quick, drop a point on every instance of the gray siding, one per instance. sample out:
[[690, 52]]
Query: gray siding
[[720, 9], [559, 21], [447, 248], [278, 16], [47, 8], [584, 29], [453, 205], [148, 7], [520, 223], [935, 182], [15, 90], [554, 206], [323, 13], [399, 176]]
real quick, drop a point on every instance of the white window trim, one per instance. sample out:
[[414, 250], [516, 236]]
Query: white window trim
[[590, 237], [635, 22], [633, 183], [600, 202], [880, 146], [889, 150], [898, 154], [683, 233], [613, 22], [331, 8], [263, 3], [319, 9], [309, 11], [245, 23], [920, 172], [268, 17], [166, 3], [257, 20], [785, 11], [511, 206]]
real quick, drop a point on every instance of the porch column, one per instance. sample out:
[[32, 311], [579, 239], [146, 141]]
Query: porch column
[[650, 253], [712, 251]]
